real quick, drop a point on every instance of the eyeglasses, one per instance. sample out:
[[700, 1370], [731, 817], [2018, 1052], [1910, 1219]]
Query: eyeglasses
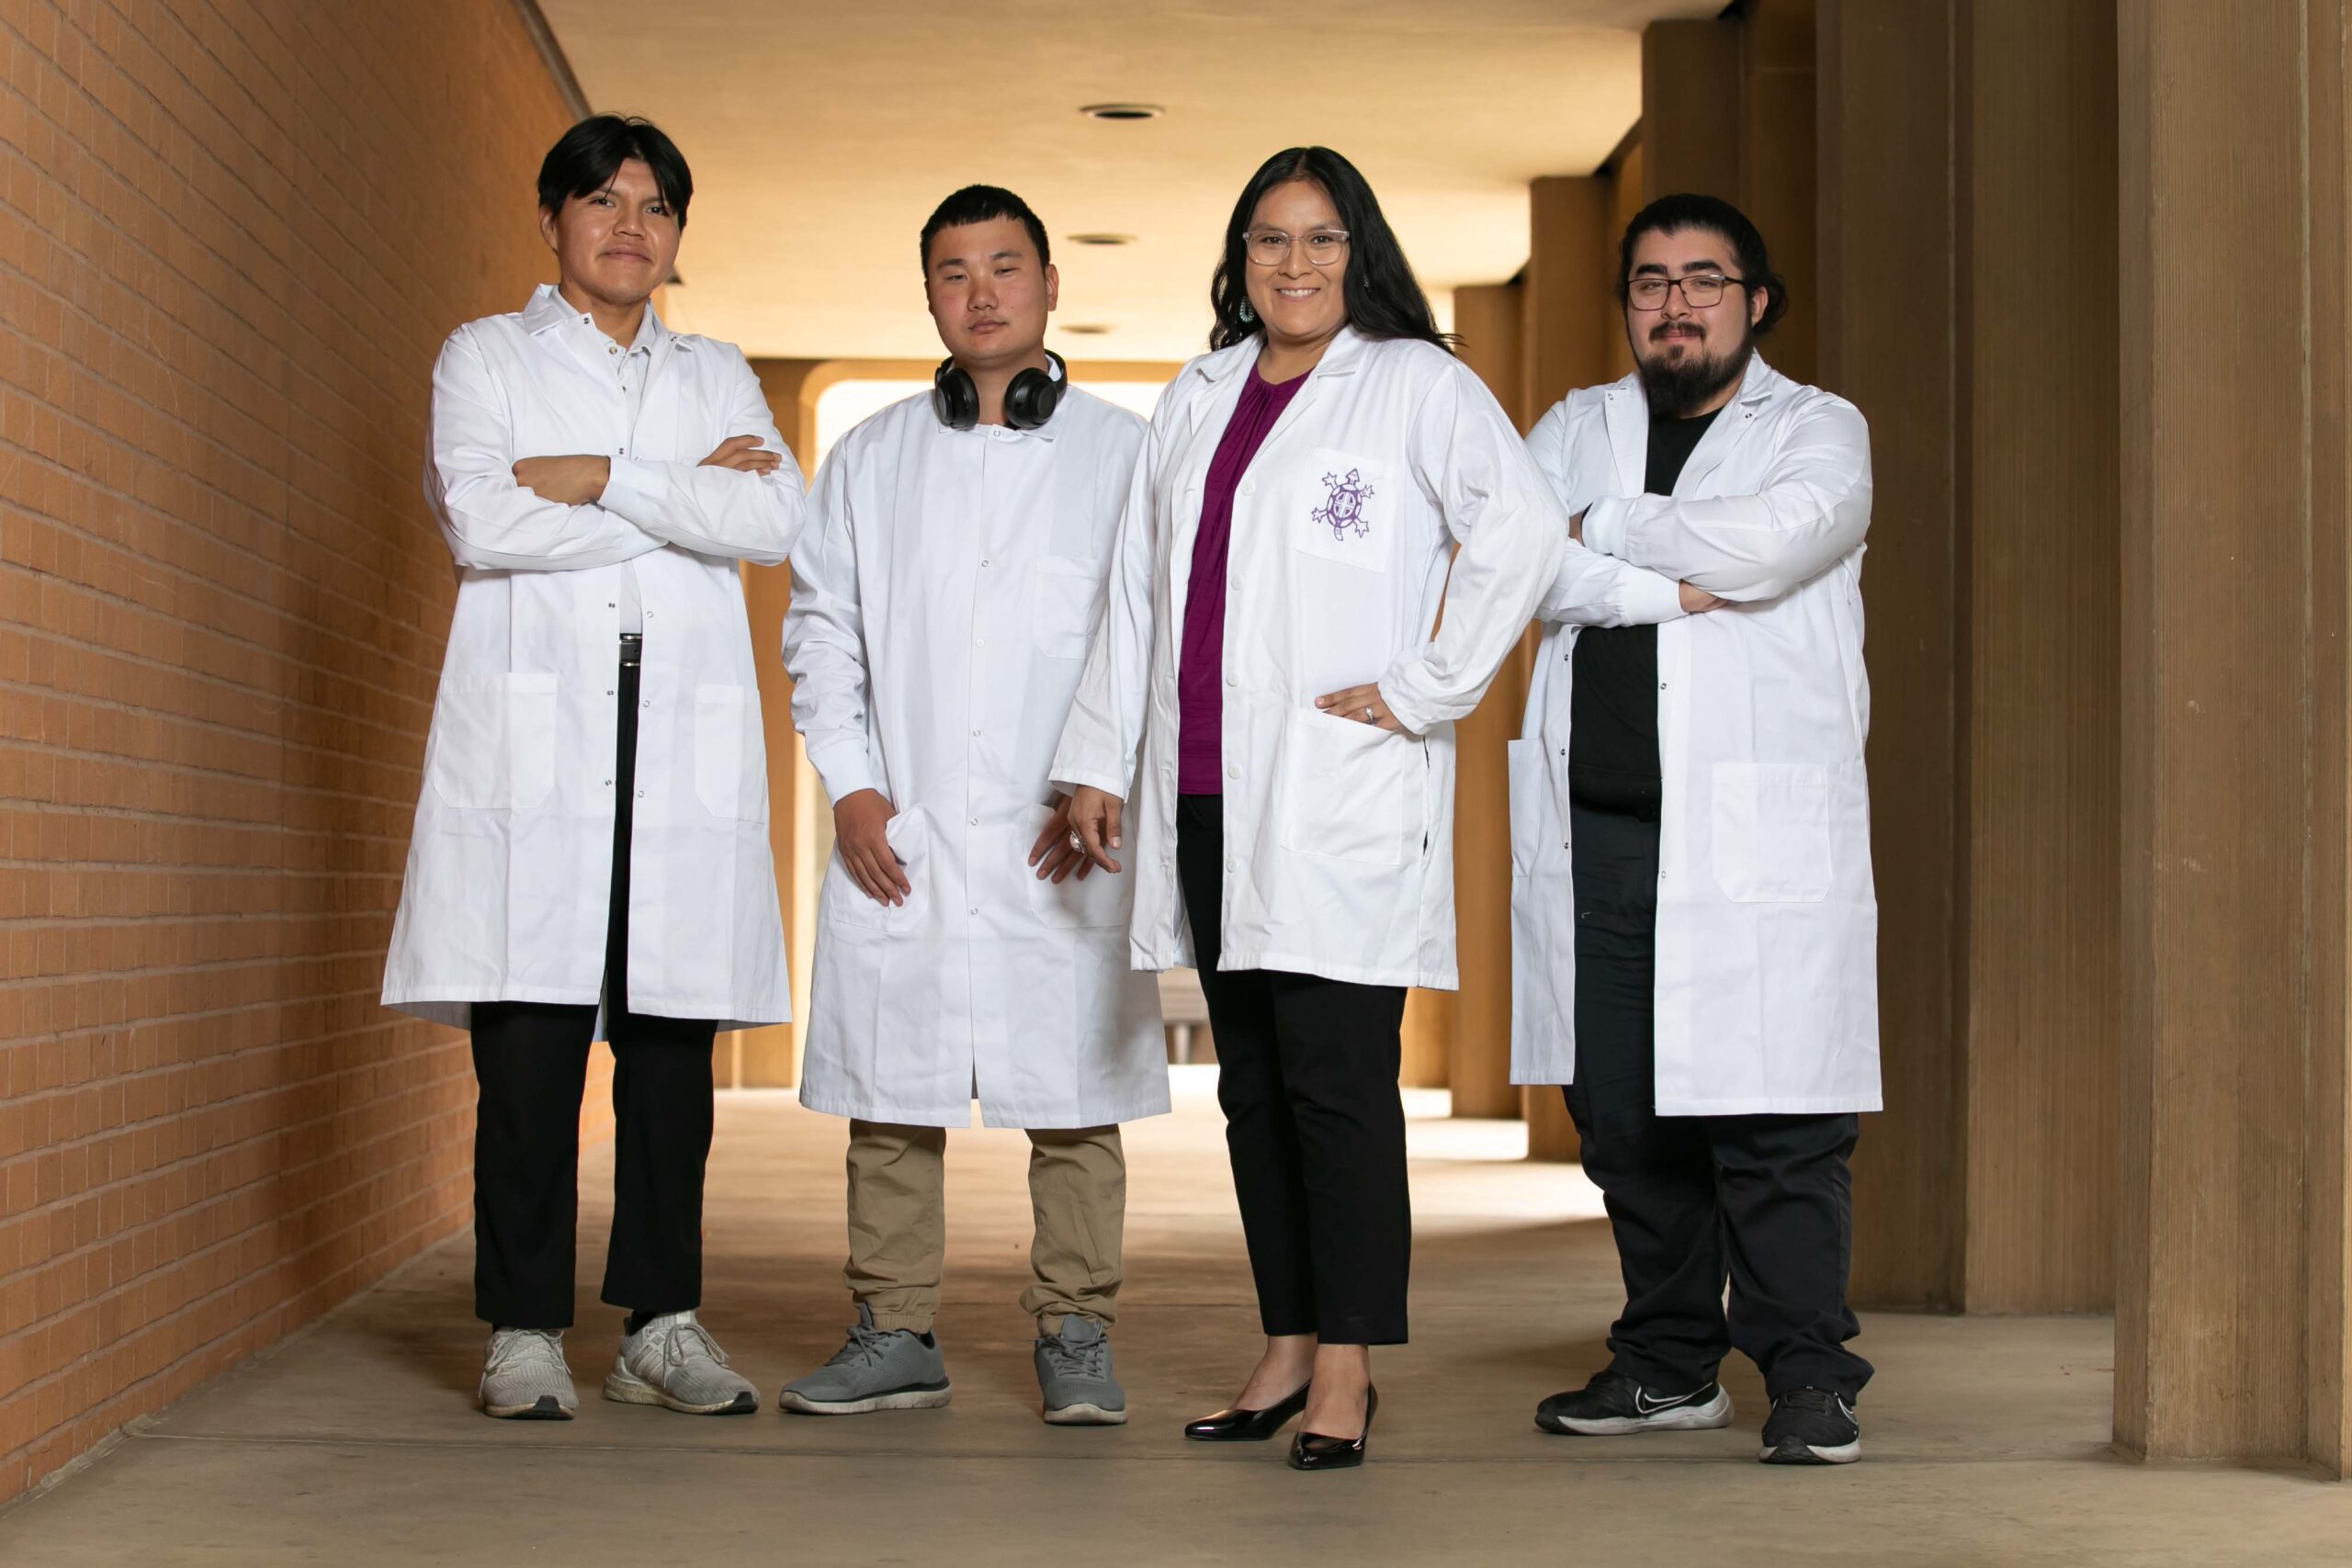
[[1700, 290], [1271, 247]]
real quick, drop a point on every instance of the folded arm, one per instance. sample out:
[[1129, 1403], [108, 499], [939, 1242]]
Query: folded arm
[[491, 522], [717, 509], [1811, 510]]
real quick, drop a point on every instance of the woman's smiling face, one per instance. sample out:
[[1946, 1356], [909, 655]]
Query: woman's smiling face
[[1299, 301]]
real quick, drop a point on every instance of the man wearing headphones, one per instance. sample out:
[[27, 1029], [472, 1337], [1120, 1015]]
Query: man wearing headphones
[[942, 601]]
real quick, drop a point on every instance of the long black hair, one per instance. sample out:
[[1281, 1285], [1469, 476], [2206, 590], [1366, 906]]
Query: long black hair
[[1383, 298]]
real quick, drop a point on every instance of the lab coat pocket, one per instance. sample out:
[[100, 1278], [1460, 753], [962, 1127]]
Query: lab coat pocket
[[1771, 832], [846, 904], [1350, 789], [1070, 603], [1099, 901], [718, 750], [1347, 510], [492, 742]]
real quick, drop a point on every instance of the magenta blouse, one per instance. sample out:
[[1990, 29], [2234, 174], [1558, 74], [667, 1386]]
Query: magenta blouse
[[1200, 663]]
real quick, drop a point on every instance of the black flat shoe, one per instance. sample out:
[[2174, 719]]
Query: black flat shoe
[[1311, 1450], [1239, 1425]]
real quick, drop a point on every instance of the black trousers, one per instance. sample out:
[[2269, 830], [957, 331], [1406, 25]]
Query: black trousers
[[1307, 1075], [1765, 1199], [531, 1060]]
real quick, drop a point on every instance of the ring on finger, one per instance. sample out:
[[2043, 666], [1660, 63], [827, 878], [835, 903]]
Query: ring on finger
[[1077, 840]]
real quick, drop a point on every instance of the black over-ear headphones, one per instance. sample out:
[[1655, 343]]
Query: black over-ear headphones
[[1029, 403]]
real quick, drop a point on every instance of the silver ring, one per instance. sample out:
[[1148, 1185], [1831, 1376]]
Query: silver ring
[[1076, 842], [1368, 719]]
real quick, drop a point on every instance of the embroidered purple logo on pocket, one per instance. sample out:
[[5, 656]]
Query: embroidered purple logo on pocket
[[1342, 508]]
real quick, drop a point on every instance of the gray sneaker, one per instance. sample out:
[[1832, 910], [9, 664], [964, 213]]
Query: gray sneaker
[[672, 1361], [876, 1370], [523, 1376], [1074, 1374]]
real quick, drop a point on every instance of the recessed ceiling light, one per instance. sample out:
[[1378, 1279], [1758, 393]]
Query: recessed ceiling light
[[1122, 111], [1102, 239], [1087, 328]]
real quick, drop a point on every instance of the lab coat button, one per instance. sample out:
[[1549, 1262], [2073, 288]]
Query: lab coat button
[[1248, 487], [1233, 772]]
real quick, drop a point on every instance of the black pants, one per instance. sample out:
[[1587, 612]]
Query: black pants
[[1307, 1075], [531, 1060], [1765, 1199]]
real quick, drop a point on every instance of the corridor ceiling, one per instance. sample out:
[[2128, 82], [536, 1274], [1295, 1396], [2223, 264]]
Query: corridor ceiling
[[822, 134]]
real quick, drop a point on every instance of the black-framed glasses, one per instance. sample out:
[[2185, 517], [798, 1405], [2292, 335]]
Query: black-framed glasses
[[1700, 289], [1272, 247]]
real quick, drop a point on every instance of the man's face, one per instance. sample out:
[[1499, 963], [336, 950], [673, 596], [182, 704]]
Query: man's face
[[1688, 353], [989, 296], [616, 244]]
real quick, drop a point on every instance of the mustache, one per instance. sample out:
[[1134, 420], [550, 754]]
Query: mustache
[[1657, 333]]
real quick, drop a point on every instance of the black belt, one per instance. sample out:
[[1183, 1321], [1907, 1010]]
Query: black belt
[[632, 650]]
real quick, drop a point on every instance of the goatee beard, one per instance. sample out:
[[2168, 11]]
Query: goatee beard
[[1678, 389]]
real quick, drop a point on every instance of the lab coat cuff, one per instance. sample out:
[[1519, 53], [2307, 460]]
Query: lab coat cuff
[[1069, 778], [637, 490], [1604, 525], [1407, 710], [1651, 599], [844, 767]]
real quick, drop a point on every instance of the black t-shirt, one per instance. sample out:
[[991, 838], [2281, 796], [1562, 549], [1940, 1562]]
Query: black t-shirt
[[1613, 708]]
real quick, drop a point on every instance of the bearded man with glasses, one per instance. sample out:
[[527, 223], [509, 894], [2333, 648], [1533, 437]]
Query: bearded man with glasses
[[1694, 925]]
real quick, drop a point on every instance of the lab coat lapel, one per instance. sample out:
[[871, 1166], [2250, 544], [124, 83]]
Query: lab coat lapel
[[1628, 418], [1759, 387]]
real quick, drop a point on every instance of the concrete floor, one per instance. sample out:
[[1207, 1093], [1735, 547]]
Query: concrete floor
[[357, 1443]]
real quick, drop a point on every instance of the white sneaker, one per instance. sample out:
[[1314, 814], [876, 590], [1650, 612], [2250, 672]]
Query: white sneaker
[[523, 1376], [672, 1361]]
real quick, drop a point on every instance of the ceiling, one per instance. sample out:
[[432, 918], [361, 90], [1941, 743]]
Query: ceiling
[[822, 136]]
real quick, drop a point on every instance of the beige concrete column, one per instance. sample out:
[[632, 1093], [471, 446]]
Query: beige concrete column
[[1888, 336], [2230, 1318], [2041, 713], [1778, 166], [1691, 123]]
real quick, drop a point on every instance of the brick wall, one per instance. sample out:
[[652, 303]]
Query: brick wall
[[234, 233]]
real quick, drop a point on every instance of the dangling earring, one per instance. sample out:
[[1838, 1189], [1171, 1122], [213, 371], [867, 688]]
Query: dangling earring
[[1246, 313]]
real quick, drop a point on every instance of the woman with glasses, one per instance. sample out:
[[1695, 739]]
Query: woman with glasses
[[1267, 692]]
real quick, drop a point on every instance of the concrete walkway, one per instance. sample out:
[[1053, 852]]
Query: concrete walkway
[[358, 1443]]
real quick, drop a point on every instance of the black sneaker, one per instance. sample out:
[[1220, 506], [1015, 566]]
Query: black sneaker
[[1811, 1426], [1612, 1404]]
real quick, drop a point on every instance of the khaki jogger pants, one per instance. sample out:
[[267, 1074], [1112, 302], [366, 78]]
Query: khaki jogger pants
[[898, 1222]]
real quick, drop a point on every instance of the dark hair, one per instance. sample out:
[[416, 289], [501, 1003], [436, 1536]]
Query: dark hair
[[1672, 214], [1383, 298], [585, 158], [983, 204]]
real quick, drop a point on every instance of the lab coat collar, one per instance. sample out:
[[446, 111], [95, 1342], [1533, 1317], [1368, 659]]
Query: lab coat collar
[[1340, 359], [548, 309], [1627, 413]]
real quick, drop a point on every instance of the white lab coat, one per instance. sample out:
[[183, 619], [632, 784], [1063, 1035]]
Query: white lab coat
[[1767, 985], [510, 864], [942, 603], [1339, 835]]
